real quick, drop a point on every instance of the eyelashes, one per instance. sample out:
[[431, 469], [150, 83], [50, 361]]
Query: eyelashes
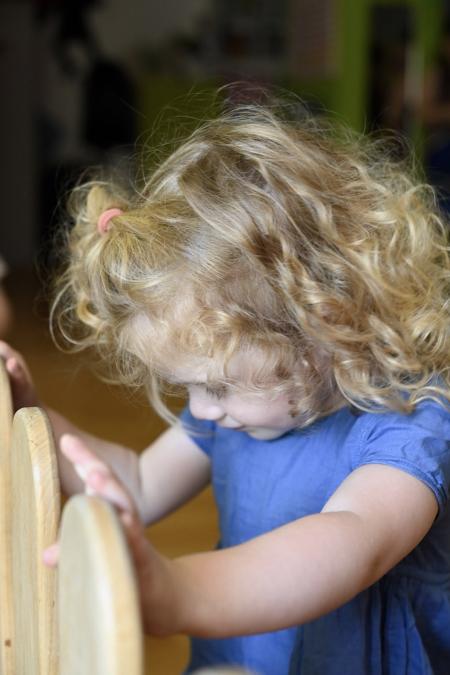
[[216, 392]]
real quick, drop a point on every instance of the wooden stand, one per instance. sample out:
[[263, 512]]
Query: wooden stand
[[82, 618], [6, 617], [35, 509], [99, 622], [95, 628]]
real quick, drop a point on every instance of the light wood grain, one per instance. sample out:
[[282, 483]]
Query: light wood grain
[[99, 617], [6, 410], [35, 509], [6, 618]]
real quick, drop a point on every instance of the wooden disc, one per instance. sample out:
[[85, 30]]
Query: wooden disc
[[35, 509], [6, 409], [6, 415], [100, 630]]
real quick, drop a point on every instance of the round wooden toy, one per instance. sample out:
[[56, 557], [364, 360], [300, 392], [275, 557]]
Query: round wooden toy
[[6, 415], [6, 409], [100, 631], [35, 509]]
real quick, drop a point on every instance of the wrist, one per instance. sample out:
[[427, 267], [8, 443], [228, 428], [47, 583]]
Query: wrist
[[160, 597]]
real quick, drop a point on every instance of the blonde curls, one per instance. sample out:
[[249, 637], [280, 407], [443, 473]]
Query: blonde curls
[[311, 247]]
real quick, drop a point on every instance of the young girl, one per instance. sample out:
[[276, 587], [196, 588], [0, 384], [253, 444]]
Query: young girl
[[296, 285]]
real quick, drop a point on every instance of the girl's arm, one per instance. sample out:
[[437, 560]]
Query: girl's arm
[[165, 475], [309, 567], [161, 478], [287, 577]]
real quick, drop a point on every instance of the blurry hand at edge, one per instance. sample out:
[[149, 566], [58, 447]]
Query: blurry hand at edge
[[23, 390]]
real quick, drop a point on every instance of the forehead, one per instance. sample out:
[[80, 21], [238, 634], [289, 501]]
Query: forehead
[[189, 369]]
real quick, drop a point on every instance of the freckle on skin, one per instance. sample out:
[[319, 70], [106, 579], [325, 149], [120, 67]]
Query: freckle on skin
[[293, 412]]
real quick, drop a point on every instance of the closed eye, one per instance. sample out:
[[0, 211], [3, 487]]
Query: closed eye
[[216, 392]]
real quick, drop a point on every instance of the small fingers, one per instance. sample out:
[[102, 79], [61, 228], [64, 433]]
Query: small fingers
[[138, 543], [12, 359], [96, 474], [16, 369], [6, 351], [50, 555], [107, 486], [22, 386], [79, 454]]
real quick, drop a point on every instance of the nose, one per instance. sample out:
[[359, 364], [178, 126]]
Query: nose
[[204, 408]]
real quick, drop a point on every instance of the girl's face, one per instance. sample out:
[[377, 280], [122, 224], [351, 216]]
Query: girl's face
[[262, 416]]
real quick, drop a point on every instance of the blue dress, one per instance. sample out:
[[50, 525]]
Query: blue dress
[[401, 624]]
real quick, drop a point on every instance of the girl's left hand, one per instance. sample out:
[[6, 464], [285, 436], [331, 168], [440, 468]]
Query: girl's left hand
[[152, 569]]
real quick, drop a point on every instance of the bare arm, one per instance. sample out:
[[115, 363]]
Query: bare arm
[[163, 477], [300, 571], [287, 577], [172, 470]]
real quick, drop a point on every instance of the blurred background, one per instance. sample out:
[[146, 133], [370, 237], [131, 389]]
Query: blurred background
[[91, 82], [83, 80]]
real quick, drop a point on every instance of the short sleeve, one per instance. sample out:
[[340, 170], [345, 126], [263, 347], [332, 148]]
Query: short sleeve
[[418, 443], [202, 432]]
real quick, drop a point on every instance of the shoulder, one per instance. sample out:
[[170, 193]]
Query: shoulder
[[202, 432], [418, 443], [428, 418]]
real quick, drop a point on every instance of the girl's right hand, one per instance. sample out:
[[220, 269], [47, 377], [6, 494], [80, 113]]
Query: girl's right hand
[[24, 393], [152, 569]]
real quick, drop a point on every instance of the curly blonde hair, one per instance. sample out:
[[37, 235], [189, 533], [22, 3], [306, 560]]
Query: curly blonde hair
[[258, 234]]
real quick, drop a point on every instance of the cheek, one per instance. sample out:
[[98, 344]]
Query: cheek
[[261, 412]]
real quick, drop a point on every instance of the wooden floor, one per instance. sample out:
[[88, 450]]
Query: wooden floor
[[65, 383]]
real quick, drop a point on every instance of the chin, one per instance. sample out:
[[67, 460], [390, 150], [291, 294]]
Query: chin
[[266, 434]]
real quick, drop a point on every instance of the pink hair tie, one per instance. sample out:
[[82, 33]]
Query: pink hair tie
[[104, 219]]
